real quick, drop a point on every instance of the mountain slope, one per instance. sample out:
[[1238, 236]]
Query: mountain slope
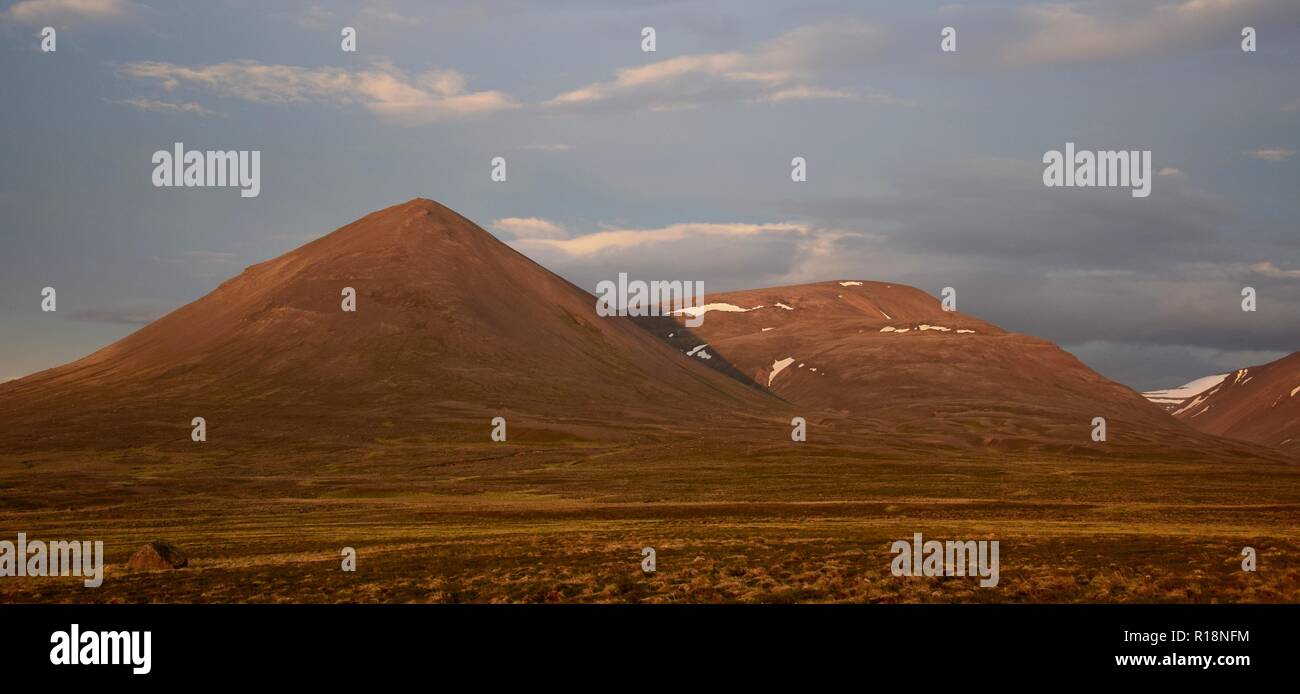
[[451, 325], [889, 355], [1260, 404]]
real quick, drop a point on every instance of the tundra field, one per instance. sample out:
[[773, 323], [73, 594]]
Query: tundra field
[[565, 522]]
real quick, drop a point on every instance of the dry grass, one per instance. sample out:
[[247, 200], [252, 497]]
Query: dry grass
[[742, 522]]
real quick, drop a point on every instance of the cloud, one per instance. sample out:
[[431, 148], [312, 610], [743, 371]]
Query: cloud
[[530, 228], [316, 18], [1071, 266], [200, 256], [155, 106], [808, 93], [723, 255], [202, 263], [1271, 270], [382, 89], [622, 239], [783, 69], [1087, 31], [389, 15], [38, 11], [124, 315], [996, 208], [1271, 154], [1151, 366], [294, 239], [1169, 171]]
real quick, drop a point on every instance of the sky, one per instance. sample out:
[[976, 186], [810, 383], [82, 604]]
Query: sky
[[924, 167]]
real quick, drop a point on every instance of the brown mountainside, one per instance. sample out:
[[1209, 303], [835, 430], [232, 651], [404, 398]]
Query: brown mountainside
[[890, 355], [451, 324], [1260, 404]]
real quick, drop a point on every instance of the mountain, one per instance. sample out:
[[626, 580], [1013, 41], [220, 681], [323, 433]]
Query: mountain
[[451, 328], [1260, 404], [890, 356]]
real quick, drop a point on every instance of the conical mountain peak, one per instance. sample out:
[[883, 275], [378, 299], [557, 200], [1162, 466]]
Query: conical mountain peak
[[445, 321]]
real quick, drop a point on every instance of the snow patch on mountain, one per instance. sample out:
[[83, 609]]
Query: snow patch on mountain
[[697, 311], [1196, 401], [1173, 396], [777, 367], [922, 328]]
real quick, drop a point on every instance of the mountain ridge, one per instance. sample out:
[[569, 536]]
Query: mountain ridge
[[889, 353], [1259, 404], [453, 327]]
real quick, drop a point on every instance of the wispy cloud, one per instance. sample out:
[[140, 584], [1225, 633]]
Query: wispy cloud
[[316, 18], [617, 239], [1269, 269], [783, 69], [1164, 365], [199, 256], [34, 11], [1271, 153], [205, 264], [155, 106], [382, 88], [125, 315], [808, 93], [530, 228], [1087, 31], [387, 14]]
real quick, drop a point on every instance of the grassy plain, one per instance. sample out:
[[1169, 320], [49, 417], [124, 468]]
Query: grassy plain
[[749, 519]]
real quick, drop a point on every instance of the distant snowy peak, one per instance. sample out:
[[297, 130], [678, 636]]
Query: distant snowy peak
[[1256, 403], [1172, 398]]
